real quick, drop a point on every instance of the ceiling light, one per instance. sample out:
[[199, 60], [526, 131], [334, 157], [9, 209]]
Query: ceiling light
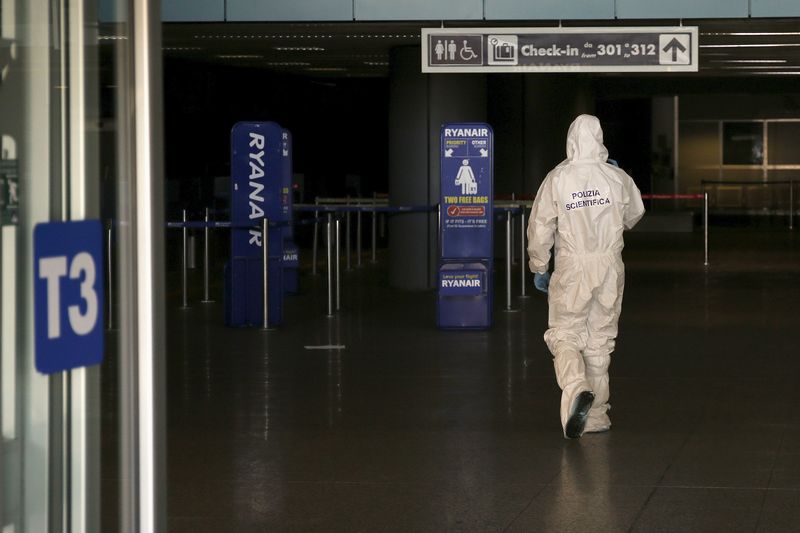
[[326, 69], [763, 45], [112, 38], [777, 73], [753, 67], [299, 49], [239, 56], [747, 61], [751, 34], [749, 67]]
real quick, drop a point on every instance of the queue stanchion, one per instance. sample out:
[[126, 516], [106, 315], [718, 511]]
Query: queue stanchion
[[265, 272], [110, 276], [705, 227], [347, 236], [316, 241], [358, 238], [330, 265], [338, 263], [374, 233], [522, 262], [513, 234], [508, 260], [704, 215], [206, 239], [184, 265], [439, 229], [379, 218]]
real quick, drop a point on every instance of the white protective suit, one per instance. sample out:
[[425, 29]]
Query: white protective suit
[[582, 208]]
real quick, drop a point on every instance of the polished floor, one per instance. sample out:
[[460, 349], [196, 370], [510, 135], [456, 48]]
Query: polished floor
[[407, 428]]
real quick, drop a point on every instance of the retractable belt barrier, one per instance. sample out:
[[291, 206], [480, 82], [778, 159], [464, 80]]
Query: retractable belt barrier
[[377, 200], [330, 212], [790, 183], [504, 211], [345, 205], [703, 197]]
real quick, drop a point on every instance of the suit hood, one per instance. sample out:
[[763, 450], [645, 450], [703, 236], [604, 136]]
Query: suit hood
[[585, 140]]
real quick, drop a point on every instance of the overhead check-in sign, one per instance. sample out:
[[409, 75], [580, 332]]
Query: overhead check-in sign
[[639, 49]]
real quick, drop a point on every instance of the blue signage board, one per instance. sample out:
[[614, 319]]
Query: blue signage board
[[462, 283], [286, 181], [465, 295], [256, 177], [68, 295], [467, 161], [257, 163], [467, 226], [291, 256], [290, 251]]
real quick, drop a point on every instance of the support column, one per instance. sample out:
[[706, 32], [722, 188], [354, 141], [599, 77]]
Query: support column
[[418, 105], [551, 103]]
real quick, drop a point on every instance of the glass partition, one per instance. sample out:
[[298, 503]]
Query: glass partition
[[745, 166], [77, 101]]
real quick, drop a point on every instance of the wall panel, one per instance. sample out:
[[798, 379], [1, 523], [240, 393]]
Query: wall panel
[[549, 9], [775, 8], [418, 10], [687, 9], [192, 10], [282, 10], [453, 10]]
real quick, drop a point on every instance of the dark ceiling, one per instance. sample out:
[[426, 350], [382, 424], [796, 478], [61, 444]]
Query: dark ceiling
[[737, 47]]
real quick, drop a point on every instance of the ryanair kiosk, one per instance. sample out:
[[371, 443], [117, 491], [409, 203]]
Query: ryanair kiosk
[[259, 153], [467, 224], [291, 254]]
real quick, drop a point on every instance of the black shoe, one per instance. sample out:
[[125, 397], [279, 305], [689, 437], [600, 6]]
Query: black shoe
[[580, 412]]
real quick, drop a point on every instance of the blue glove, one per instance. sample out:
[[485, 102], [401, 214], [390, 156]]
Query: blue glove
[[541, 281]]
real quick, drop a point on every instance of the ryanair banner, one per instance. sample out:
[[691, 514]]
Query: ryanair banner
[[462, 283], [257, 166], [256, 178], [467, 153]]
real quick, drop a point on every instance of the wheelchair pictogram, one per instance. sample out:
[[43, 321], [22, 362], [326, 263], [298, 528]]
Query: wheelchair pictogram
[[467, 53]]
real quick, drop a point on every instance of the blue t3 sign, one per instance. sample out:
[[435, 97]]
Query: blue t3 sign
[[68, 294], [467, 191]]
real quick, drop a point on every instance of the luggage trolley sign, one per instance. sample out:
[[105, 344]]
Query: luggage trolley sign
[[467, 153]]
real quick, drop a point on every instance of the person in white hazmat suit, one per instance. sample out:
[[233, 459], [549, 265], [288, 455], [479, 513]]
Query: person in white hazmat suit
[[582, 207]]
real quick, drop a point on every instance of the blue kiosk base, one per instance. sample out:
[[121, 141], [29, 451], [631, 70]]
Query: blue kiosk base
[[246, 276], [464, 300]]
